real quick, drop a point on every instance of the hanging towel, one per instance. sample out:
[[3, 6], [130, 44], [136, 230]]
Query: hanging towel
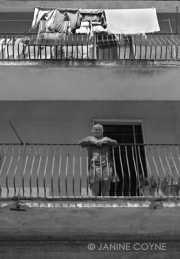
[[40, 14], [132, 21], [93, 15], [58, 22]]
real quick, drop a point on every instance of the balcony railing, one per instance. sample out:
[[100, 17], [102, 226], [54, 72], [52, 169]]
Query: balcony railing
[[82, 47], [41, 171]]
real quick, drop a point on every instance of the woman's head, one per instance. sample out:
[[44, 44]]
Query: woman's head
[[97, 130]]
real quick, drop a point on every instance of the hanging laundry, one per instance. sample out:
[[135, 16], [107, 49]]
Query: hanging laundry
[[60, 16], [98, 28], [48, 38], [74, 17], [93, 15], [39, 14], [84, 28], [132, 21]]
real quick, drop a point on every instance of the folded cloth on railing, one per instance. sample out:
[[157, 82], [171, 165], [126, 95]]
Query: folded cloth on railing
[[132, 21], [48, 38], [78, 52], [84, 28], [93, 15]]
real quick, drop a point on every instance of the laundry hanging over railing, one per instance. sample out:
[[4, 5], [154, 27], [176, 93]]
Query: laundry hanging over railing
[[55, 24]]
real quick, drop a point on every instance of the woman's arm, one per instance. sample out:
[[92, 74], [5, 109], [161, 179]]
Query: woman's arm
[[110, 142], [87, 141]]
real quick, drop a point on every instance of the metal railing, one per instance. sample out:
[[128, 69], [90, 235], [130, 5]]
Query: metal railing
[[40, 170], [83, 47]]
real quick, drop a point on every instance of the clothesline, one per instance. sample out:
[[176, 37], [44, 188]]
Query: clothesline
[[116, 21]]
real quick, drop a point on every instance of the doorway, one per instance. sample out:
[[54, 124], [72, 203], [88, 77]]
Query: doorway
[[129, 159]]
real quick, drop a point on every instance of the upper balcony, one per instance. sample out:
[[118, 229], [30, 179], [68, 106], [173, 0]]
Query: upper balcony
[[97, 35], [156, 46]]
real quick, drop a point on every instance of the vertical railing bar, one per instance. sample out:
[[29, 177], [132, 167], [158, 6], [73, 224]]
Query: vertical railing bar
[[119, 47], [107, 162], [13, 47], [82, 47], [87, 171], [56, 52], [45, 170], [87, 48], [122, 171], [166, 48], [18, 50], [178, 156], [7, 46], [73, 168], [136, 171], [161, 160], [66, 172], [4, 160], [173, 160], [154, 161], [59, 171], [31, 170], [45, 52], [3, 50], [80, 170], [125, 50], [145, 50], [101, 174], [52, 172], [39, 164], [61, 47], [34, 51], [29, 52], [147, 162], [15, 170], [67, 47], [24, 170], [135, 50], [167, 159], [115, 171], [128, 170], [7, 173], [141, 161]]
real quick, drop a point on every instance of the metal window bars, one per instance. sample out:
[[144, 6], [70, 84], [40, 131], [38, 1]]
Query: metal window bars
[[53, 170], [83, 47]]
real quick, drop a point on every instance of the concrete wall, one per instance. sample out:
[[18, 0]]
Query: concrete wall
[[66, 122], [86, 81]]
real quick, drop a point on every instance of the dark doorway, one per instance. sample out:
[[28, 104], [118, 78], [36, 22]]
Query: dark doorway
[[129, 159]]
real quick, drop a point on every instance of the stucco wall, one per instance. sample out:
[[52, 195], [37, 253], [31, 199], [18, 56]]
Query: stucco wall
[[69, 121], [88, 81]]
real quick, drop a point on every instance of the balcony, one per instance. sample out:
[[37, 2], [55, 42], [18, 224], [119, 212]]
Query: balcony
[[56, 171], [31, 47]]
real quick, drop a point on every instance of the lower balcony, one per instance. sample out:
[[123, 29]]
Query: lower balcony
[[62, 171]]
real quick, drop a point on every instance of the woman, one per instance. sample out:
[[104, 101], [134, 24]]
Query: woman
[[100, 161]]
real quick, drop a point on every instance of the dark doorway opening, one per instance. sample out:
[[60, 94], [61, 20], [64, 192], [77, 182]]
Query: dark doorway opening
[[129, 159]]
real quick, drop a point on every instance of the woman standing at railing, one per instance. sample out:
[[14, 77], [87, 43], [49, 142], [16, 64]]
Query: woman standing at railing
[[100, 161]]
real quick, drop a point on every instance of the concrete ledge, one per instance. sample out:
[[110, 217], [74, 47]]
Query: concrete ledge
[[90, 223], [93, 63]]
